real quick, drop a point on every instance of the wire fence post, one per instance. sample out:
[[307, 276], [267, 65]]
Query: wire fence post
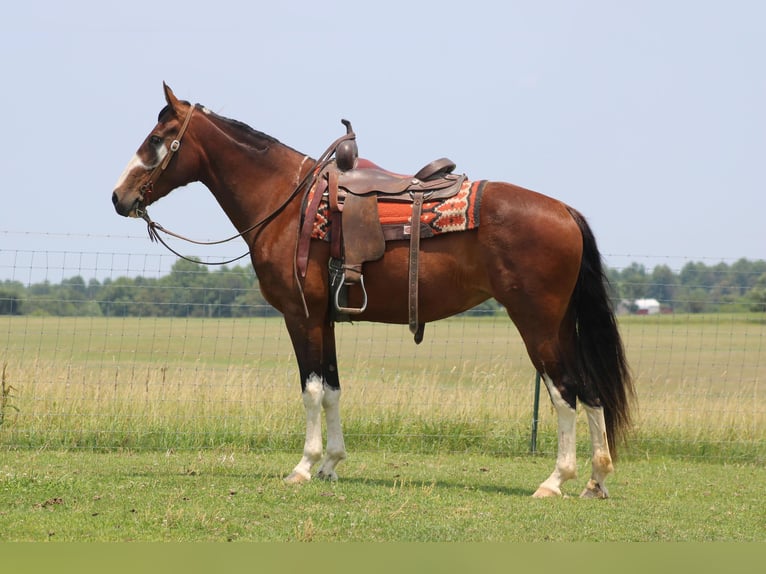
[[535, 417]]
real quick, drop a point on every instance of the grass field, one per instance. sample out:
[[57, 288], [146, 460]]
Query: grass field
[[203, 383], [225, 495], [180, 429]]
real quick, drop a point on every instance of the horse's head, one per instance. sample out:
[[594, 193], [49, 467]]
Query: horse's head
[[151, 174]]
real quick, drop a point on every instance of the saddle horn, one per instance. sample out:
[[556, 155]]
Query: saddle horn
[[347, 152]]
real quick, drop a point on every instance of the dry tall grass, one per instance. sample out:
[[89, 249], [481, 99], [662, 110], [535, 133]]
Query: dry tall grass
[[198, 383]]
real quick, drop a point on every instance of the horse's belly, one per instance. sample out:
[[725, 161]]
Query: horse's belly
[[451, 279]]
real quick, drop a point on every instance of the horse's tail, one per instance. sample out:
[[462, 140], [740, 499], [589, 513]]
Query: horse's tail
[[601, 368]]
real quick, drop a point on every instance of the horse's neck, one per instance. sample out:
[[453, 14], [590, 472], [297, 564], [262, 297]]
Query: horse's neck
[[249, 185]]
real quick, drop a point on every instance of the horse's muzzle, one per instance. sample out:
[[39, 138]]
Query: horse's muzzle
[[124, 208]]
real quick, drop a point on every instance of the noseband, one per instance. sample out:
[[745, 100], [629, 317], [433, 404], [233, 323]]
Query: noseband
[[147, 187]]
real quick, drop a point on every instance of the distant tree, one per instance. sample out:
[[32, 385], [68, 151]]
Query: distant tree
[[118, 297], [663, 285], [756, 297], [185, 289], [634, 282], [692, 300], [227, 286], [11, 298], [74, 284], [697, 274]]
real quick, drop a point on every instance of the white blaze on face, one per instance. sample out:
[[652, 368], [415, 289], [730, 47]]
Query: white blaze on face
[[134, 163], [137, 163]]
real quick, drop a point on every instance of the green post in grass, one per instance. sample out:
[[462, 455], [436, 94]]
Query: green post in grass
[[535, 411]]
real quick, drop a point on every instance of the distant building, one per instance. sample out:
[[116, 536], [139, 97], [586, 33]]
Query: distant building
[[647, 306]]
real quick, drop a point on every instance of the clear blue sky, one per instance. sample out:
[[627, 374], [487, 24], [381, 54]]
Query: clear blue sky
[[649, 117]]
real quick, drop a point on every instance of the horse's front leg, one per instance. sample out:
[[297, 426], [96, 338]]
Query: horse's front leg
[[336, 446], [315, 351], [313, 390]]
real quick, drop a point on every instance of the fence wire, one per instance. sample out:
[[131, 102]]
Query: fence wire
[[108, 350]]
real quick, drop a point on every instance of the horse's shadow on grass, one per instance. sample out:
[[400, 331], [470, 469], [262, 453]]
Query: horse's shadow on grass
[[402, 480], [455, 485]]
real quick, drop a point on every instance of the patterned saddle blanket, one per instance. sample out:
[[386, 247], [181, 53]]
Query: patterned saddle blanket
[[457, 213]]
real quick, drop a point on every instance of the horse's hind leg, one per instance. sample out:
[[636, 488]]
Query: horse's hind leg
[[601, 459], [566, 458], [564, 392], [545, 335], [566, 464]]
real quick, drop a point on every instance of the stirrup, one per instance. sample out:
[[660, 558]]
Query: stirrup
[[350, 310]]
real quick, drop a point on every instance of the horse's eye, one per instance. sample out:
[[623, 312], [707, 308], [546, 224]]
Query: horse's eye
[[155, 140]]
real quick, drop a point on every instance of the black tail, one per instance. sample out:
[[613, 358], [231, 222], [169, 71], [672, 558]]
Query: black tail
[[602, 367]]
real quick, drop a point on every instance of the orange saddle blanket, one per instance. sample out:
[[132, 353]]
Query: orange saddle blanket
[[457, 213]]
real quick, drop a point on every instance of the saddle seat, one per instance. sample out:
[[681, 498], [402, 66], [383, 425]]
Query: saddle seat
[[435, 179]]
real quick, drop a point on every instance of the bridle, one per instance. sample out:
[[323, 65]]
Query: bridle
[[147, 188]]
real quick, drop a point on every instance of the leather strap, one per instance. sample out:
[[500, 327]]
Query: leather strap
[[176, 143], [332, 190], [146, 187], [304, 241], [417, 207]]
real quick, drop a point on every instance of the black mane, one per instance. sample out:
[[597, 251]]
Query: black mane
[[247, 135]]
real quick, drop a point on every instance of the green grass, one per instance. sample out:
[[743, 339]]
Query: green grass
[[221, 495]]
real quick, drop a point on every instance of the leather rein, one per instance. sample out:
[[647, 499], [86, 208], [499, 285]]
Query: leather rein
[[154, 228]]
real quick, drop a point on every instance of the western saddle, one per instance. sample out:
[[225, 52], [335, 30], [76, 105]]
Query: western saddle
[[353, 187]]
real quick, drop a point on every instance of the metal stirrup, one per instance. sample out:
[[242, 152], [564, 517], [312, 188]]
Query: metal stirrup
[[350, 310]]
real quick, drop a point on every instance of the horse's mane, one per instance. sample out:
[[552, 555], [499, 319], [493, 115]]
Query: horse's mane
[[246, 134]]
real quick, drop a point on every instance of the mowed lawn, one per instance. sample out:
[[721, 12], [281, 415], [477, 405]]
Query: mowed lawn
[[233, 496]]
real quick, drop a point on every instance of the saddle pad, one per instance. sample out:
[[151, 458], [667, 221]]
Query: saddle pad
[[457, 213]]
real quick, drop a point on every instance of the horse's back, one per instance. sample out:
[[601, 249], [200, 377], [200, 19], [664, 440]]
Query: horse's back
[[526, 242], [519, 214]]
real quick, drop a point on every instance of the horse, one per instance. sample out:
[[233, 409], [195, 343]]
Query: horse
[[535, 255]]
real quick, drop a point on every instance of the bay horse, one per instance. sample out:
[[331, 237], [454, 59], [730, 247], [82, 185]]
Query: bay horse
[[535, 255]]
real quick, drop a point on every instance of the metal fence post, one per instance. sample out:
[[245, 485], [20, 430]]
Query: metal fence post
[[535, 412]]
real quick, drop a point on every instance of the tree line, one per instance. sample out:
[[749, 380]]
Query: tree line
[[696, 288], [189, 290], [193, 290]]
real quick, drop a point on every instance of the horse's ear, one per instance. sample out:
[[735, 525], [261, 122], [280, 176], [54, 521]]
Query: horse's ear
[[170, 97]]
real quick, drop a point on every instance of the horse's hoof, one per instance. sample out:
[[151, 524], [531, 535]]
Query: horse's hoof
[[296, 478], [594, 490], [329, 476], [544, 492]]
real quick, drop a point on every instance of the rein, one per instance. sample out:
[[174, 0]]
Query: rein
[[154, 228]]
